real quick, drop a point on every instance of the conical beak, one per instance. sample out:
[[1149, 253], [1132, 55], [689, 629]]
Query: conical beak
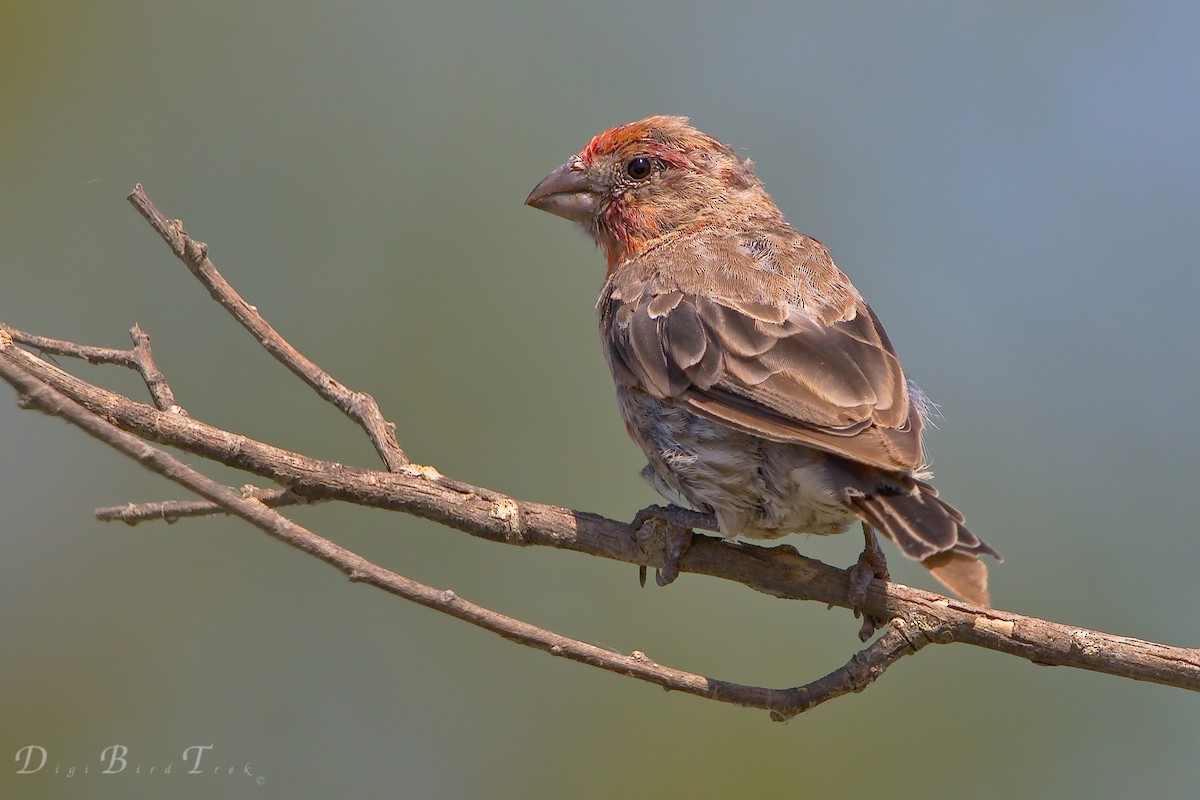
[[566, 192]]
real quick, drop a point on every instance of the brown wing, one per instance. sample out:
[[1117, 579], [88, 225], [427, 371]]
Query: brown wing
[[768, 368]]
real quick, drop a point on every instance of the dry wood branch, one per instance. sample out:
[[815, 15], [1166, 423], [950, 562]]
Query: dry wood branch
[[359, 406], [919, 617], [171, 511], [139, 358], [783, 704], [778, 571]]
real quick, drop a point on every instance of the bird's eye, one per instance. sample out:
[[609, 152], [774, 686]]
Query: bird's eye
[[639, 167]]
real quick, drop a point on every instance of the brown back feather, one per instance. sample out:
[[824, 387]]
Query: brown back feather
[[772, 340]]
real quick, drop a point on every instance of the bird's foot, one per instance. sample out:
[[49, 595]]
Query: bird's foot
[[678, 523], [871, 564]]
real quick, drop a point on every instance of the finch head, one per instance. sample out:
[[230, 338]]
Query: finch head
[[639, 182]]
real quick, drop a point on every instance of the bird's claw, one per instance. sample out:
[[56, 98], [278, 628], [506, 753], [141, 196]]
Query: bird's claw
[[871, 564], [678, 523]]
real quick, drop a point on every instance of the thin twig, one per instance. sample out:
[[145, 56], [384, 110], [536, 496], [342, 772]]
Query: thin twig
[[140, 358], [359, 406], [899, 640], [171, 511], [156, 382]]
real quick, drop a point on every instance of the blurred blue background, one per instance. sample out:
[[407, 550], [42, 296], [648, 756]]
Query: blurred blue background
[[1014, 187]]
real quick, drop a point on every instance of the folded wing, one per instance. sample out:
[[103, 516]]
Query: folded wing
[[771, 370]]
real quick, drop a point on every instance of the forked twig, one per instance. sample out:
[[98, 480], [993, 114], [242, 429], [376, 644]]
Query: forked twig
[[358, 406], [139, 358]]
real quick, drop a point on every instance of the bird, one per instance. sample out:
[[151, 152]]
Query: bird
[[756, 379]]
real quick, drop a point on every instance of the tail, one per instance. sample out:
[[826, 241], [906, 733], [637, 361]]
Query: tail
[[926, 529]]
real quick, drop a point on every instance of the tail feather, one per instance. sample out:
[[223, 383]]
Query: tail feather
[[929, 530], [966, 576]]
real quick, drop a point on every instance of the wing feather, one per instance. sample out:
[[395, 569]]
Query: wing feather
[[774, 368]]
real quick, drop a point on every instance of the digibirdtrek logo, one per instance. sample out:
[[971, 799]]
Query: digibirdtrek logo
[[117, 759]]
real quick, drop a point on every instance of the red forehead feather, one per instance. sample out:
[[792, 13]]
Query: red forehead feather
[[669, 138]]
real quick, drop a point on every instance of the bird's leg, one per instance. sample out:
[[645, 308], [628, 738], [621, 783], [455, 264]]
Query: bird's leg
[[679, 523], [871, 564]]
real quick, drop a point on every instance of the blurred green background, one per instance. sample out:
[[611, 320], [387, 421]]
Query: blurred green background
[[1015, 188]]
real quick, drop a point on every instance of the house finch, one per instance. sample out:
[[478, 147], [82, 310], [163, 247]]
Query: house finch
[[757, 380]]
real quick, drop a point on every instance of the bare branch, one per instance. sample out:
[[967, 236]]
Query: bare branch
[[917, 618], [139, 358], [899, 640], [173, 510], [783, 704], [779, 571], [156, 382], [358, 406]]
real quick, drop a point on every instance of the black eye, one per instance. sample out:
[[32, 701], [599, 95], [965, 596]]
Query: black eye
[[639, 167]]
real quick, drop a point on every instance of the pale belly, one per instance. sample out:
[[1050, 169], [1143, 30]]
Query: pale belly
[[756, 487]]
